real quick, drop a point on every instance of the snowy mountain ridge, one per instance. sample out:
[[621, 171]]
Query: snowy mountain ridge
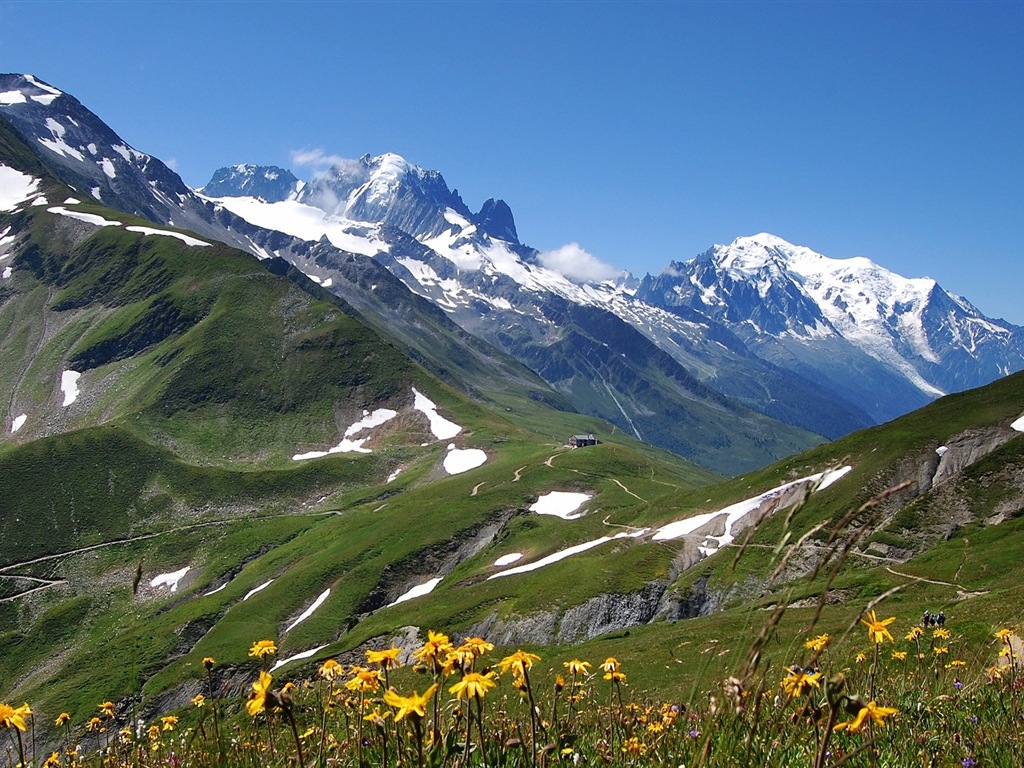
[[823, 344]]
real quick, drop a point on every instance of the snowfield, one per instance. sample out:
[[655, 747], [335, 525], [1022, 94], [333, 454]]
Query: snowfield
[[459, 460], [15, 188], [560, 504], [169, 579]]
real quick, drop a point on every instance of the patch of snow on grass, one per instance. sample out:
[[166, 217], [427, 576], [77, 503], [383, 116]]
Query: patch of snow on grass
[[736, 513], [417, 591], [560, 504], [347, 445], [72, 201], [8, 271], [169, 579], [15, 188], [508, 559], [19, 422], [371, 420], [439, 426], [1018, 425], [394, 475], [568, 552], [69, 386], [260, 588], [297, 656], [309, 611], [167, 233], [216, 590], [459, 460], [88, 218], [108, 168], [941, 450]]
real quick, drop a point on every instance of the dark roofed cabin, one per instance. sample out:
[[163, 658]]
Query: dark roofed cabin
[[579, 441]]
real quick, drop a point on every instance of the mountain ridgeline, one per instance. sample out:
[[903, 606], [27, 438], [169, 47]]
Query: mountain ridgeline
[[338, 413]]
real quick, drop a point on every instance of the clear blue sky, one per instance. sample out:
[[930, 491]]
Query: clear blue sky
[[645, 132]]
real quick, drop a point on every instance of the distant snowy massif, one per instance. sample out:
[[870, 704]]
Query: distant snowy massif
[[759, 335]]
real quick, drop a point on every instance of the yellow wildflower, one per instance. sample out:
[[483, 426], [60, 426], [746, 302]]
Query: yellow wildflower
[[258, 697], [209, 661], [616, 676], [364, 681], [797, 680], [861, 658], [386, 659], [817, 644], [377, 717], [479, 645], [913, 634], [93, 724], [430, 652], [877, 630], [899, 655], [13, 718], [62, 719], [940, 634], [473, 685], [414, 704], [518, 662], [198, 700], [331, 670], [53, 761], [1003, 634], [168, 722], [263, 648], [611, 664], [107, 709], [870, 710], [576, 666], [939, 650]]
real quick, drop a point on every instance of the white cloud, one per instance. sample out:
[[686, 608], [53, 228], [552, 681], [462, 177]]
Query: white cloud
[[576, 264], [316, 158]]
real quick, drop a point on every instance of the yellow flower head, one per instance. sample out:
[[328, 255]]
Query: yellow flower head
[[107, 709], [877, 630], [899, 655], [611, 664], [518, 662], [797, 680], [913, 634], [437, 643], [941, 634], [93, 724], [168, 722], [414, 705], [53, 761], [198, 700], [473, 685], [1004, 634], [616, 676], [209, 661], [13, 718], [386, 659], [258, 697], [861, 658], [870, 710], [377, 717], [263, 648], [62, 719], [817, 644], [364, 681], [478, 645], [331, 670], [939, 650], [577, 667]]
